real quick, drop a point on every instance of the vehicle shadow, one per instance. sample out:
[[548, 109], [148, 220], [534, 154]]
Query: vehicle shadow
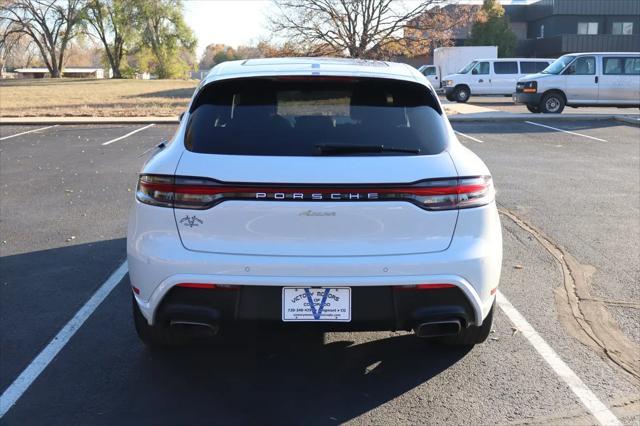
[[185, 92], [41, 290], [286, 377]]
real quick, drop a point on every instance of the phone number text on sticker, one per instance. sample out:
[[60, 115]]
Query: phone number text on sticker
[[316, 304]]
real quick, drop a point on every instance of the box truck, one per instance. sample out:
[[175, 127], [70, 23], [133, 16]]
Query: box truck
[[449, 60]]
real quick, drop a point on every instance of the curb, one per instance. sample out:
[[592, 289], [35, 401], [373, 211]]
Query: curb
[[86, 120], [454, 118], [522, 117]]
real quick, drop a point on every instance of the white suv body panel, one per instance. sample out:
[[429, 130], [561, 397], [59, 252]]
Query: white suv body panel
[[158, 261], [471, 258], [350, 228]]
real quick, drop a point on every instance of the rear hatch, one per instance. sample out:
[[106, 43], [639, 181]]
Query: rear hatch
[[318, 166]]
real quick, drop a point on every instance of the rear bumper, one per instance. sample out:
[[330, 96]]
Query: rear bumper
[[532, 99], [158, 261], [372, 308]]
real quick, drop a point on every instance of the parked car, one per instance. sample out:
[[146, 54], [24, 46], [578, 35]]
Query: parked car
[[317, 194], [490, 77], [448, 60], [583, 79]]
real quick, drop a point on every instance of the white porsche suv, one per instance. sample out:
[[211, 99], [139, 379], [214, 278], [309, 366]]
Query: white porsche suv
[[323, 194]]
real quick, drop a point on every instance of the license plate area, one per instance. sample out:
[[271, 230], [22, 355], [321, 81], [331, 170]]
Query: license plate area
[[316, 304]]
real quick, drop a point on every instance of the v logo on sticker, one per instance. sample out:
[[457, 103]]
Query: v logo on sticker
[[316, 313]]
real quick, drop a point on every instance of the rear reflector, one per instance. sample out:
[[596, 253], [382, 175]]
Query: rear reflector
[[202, 193], [207, 286], [423, 287]]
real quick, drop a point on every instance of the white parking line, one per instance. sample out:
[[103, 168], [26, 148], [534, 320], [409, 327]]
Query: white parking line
[[28, 131], [128, 134], [565, 131], [11, 395], [467, 136], [579, 388]]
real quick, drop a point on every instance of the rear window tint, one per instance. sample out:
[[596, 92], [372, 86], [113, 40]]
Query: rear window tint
[[532, 67], [505, 67], [291, 116]]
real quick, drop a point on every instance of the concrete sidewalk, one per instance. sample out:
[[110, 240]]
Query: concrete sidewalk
[[458, 112], [454, 113]]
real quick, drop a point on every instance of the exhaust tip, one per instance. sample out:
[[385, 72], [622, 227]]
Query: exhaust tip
[[438, 328], [195, 327]]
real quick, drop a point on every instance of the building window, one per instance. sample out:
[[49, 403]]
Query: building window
[[622, 28], [588, 28]]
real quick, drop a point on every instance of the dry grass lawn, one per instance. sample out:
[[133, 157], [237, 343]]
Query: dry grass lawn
[[94, 98]]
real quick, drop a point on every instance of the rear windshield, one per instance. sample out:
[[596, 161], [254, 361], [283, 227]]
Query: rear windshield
[[296, 116]]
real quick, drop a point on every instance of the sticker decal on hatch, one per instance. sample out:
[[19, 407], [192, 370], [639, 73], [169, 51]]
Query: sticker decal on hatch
[[191, 221]]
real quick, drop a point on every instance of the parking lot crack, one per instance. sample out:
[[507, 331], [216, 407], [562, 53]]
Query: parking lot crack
[[585, 317]]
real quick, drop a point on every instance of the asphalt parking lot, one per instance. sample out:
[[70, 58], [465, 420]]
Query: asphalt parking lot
[[570, 199], [505, 104]]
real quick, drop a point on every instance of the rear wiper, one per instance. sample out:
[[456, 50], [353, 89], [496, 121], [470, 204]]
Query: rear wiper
[[330, 149]]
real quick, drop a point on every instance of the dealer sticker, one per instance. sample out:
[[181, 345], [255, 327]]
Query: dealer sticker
[[332, 304]]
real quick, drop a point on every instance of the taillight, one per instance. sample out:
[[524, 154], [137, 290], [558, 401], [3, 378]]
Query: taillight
[[156, 190], [474, 192], [202, 193], [459, 193], [424, 287], [178, 192], [208, 286]]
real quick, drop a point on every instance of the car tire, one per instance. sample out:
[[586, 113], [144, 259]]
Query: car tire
[[552, 103], [153, 336], [461, 94], [472, 335], [450, 97], [534, 109]]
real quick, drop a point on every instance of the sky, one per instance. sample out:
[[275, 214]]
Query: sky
[[230, 22], [240, 22]]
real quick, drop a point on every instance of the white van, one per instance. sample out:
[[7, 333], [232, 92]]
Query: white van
[[583, 79], [490, 77], [448, 60]]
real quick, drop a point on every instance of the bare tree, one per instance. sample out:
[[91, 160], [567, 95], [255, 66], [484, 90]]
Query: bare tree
[[9, 40], [113, 22], [51, 24], [356, 28]]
